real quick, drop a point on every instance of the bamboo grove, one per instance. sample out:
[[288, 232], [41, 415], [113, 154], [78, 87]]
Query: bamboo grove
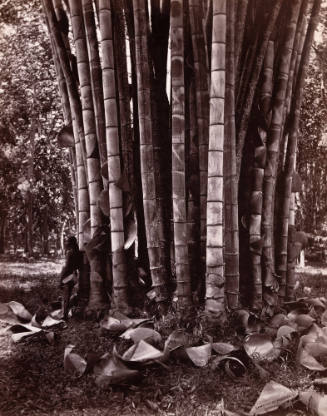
[[181, 119]]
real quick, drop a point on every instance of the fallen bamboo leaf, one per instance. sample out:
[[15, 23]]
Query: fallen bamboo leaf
[[259, 347], [22, 331], [137, 334], [237, 369], [308, 361], [272, 397], [199, 355], [316, 403], [22, 335], [7, 315], [278, 320], [110, 371], [223, 348], [74, 363], [142, 352], [176, 339], [285, 331], [20, 311], [113, 325], [35, 322], [57, 314], [50, 322]]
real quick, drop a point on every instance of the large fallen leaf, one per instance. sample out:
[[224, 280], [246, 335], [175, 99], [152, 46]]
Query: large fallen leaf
[[131, 230], [178, 338], [272, 397], [113, 325], [22, 331], [278, 320], [22, 335], [49, 322], [138, 334], [109, 371], [316, 403], [233, 366], [142, 352], [20, 311], [74, 363], [199, 355], [259, 347], [223, 348], [7, 315]]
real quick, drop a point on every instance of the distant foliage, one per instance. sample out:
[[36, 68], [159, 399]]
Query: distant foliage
[[30, 160]]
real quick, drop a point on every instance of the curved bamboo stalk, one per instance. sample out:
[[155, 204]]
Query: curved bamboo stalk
[[202, 112], [292, 141], [183, 279], [273, 145], [119, 264], [231, 252], [246, 110], [83, 195], [150, 192], [215, 280], [96, 77]]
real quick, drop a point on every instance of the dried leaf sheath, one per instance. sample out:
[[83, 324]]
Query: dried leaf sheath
[[119, 266], [178, 154], [215, 279]]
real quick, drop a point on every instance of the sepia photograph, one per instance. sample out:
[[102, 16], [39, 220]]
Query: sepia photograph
[[163, 207]]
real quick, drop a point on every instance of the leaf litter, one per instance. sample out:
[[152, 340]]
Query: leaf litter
[[227, 369]]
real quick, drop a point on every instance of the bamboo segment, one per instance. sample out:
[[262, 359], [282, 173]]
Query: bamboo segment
[[178, 155], [246, 110], [231, 253], [119, 264], [83, 195], [150, 192], [292, 142], [93, 164], [202, 107], [96, 78], [239, 34], [215, 279], [273, 144]]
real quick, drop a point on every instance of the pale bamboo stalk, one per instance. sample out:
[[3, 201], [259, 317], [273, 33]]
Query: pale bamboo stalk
[[273, 145], [83, 195], [246, 110], [150, 192], [183, 279], [215, 279], [231, 251], [202, 107], [92, 158], [119, 264], [96, 78]]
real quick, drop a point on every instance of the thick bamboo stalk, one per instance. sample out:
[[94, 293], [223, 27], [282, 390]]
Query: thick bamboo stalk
[[246, 110], [83, 195], [150, 192], [193, 213], [92, 158], [119, 263], [292, 142], [273, 144], [231, 253], [96, 78], [202, 111], [183, 279], [215, 279], [239, 35], [98, 298]]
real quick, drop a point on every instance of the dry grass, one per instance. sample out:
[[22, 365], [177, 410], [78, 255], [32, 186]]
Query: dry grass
[[33, 381]]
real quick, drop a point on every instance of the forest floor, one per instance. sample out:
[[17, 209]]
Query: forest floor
[[33, 380]]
